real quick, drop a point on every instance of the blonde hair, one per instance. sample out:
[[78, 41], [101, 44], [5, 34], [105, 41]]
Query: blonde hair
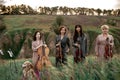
[[104, 26]]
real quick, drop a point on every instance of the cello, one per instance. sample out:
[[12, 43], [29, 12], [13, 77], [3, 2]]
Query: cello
[[108, 49], [43, 59]]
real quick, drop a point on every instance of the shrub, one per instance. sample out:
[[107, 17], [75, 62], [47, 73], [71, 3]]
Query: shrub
[[58, 22]]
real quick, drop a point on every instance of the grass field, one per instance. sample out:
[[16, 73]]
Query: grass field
[[46, 21], [27, 21], [90, 69], [23, 24]]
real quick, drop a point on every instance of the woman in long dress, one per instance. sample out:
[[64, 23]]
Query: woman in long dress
[[101, 41], [63, 41], [36, 43], [79, 44]]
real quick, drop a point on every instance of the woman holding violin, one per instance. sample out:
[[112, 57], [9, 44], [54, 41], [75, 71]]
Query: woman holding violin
[[79, 44], [62, 41], [36, 44], [104, 44]]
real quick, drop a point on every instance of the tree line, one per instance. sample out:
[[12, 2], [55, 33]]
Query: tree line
[[57, 10]]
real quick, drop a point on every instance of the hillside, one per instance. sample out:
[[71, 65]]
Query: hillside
[[20, 29], [18, 38], [45, 21]]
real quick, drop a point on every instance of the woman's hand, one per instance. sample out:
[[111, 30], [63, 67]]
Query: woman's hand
[[68, 50], [38, 46], [41, 45], [77, 45], [58, 44], [44, 45], [97, 54]]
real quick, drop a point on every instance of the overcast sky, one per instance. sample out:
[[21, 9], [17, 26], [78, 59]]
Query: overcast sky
[[102, 4]]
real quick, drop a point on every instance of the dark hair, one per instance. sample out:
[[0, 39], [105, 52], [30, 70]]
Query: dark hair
[[61, 29], [34, 36], [76, 33]]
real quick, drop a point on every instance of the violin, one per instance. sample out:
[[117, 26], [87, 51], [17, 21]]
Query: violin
[[58, 54], [78, 52], [108, 49], [43, 60]]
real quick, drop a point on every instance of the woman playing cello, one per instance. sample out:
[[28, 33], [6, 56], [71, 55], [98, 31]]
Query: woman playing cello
[[36, 44]]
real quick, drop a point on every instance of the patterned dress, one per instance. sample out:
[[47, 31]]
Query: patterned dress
[[34, 48], [100, 45]]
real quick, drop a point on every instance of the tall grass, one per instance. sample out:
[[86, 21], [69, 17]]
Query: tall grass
[[90, 69], [14, 41], [116, 32]]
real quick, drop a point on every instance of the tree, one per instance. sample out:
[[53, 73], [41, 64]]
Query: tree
[[118, 14], [41, 10], [109, 12], [104, 12], [77, 10], [48, 11], [15, 10], [90, 11], [65, 10], [71, 11], [54, 10], [83, 11], [99, 11]]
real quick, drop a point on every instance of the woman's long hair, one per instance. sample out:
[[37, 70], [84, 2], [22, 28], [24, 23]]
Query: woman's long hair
[[34, 36], [76, 34]]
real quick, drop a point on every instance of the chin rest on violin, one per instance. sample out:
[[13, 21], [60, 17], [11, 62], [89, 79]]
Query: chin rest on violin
[[43, 60]]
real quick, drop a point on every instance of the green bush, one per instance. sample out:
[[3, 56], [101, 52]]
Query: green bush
[[116, 32], [14, 43], [111, 22], [58, 22]]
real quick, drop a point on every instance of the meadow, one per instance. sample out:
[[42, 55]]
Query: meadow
[[90, 69], [18, 37]]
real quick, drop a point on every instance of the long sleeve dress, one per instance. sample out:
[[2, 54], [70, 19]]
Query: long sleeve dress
[[82, 41], [64, 43], [100, 45], [34, 48]]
